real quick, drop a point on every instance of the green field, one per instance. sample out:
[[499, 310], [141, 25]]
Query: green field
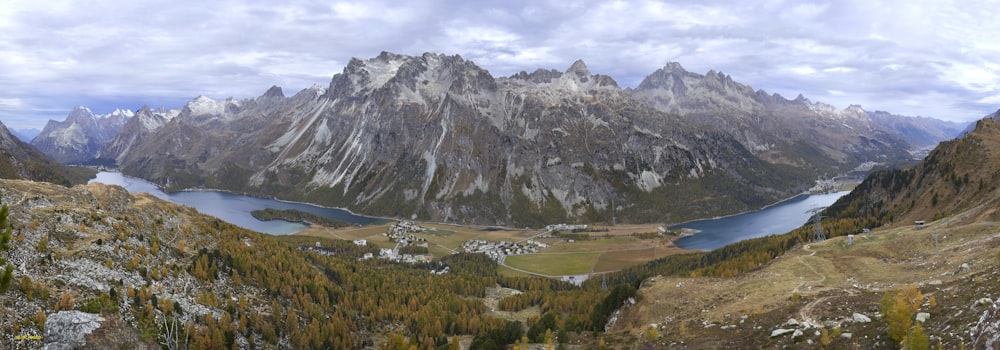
[[555, 264]]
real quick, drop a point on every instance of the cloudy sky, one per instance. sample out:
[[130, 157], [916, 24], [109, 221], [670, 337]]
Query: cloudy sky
[[933, 58]]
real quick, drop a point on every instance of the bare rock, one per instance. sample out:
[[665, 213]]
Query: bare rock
[[69, 329], [780, 331]]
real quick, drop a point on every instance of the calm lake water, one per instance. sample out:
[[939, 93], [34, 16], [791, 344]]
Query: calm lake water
[[776, 219], [233, 208]]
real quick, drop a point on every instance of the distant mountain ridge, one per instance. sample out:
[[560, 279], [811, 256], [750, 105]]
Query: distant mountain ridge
[[777, 128], [20, 160], [80, 137], [25, 135], [435, 137], [957, 177]]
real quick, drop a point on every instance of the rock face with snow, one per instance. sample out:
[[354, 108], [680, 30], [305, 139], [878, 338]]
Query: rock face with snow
[[438, 138], [69, 329], [145, 121], [80, 137]]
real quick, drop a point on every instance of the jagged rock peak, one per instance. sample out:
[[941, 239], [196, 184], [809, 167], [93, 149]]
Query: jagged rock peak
[[435, 73], [274, 91], [80, 113], [82, 109], [674, 67], [313, 91], [579, 68], [203, 105]]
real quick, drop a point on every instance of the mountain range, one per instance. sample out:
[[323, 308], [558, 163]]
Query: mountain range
[[20, 160], [78, 138], [435, 137], [438, 133]]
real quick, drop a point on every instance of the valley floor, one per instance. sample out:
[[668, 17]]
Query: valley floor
[[605, 249]]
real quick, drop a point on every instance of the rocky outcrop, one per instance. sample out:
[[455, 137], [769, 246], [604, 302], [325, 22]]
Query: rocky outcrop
[[69, 329], [80, 137], [986, 332]]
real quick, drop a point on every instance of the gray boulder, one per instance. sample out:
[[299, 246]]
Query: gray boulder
[[69, 329], [780, 331], [861, 318]]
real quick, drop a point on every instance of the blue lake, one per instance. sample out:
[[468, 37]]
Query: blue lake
[[233, 208], [775, 219]]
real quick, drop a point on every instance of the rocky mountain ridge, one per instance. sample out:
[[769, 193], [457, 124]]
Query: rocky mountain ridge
[[80, 137], [435, 136], [20, 160], [775, 127]]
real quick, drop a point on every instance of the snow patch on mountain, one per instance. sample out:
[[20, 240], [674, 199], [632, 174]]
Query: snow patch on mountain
[[203, 105]]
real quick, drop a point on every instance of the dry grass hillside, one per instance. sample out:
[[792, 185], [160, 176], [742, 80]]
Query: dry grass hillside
[[821, 286], [822, 294]]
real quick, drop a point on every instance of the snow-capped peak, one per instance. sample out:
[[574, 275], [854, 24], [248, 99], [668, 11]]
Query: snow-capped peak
[[203, 105]]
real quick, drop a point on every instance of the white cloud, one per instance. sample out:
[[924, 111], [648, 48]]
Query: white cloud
[[839, 70], [934, 58], [10, 103], [803, 70]]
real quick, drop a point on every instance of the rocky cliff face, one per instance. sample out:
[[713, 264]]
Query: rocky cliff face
[[80, 137], [436, 137], [145, 121]]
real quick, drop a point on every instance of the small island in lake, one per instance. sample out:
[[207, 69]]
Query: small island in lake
[[293, 215]]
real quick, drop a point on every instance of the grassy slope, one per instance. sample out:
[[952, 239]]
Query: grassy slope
[[832, 281], [825, 283]]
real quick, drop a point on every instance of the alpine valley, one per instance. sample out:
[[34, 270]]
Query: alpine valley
[[911, 259], [437, 138]]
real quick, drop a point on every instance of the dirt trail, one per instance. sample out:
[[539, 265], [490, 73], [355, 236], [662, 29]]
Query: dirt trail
[[805, 313]]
